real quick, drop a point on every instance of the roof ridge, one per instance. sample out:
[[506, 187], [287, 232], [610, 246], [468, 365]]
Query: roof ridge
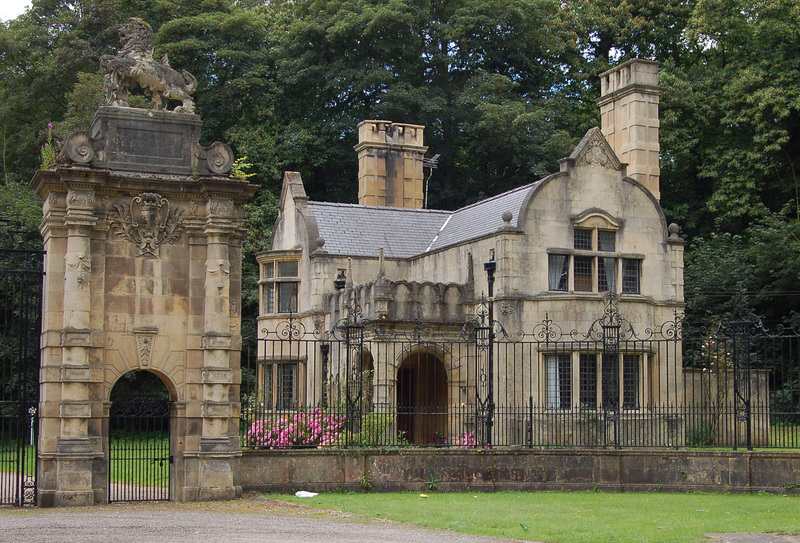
[[383, 208], [498, 196]]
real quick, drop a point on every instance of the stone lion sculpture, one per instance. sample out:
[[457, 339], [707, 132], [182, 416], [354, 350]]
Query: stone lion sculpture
[[134, 64]]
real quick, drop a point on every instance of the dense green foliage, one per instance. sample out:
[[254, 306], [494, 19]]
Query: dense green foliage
[[504, 88]]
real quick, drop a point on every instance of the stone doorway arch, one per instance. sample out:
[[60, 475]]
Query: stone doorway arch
[[422, 398]]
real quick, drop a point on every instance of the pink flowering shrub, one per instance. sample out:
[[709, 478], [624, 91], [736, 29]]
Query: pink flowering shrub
[[315, 428], [437, 438], [466, 440]]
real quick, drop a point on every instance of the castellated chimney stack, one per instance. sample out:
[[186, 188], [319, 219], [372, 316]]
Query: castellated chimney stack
[[390, 164], [628, 102]]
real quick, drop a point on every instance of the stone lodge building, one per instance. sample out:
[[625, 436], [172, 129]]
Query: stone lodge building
[[558, 246]]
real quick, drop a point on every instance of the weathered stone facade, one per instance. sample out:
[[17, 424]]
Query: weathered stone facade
[[142, 228], [558, 244]]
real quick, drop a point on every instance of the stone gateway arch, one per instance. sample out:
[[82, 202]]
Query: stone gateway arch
[[142, 228]]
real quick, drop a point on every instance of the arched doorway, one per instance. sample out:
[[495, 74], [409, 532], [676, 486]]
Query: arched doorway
[[422, 399], [139, 451]]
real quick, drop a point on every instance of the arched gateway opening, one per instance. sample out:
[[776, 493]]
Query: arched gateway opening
[[422, 399], [139, 448]]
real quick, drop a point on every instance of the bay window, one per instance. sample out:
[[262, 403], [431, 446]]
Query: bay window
[[279, 286]]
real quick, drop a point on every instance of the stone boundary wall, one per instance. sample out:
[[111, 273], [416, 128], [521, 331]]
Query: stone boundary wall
[[523, 470]]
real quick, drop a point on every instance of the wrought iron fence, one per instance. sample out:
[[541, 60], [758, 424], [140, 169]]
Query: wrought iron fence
[[372, 385], [21, 276]]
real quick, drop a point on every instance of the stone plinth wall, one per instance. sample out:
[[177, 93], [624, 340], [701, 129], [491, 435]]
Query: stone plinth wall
[[523, 470]]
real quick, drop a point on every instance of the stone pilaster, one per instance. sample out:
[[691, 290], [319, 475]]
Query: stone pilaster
[[218, 453]]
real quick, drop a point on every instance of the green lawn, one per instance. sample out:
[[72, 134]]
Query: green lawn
[[8, 458], [567, 517]]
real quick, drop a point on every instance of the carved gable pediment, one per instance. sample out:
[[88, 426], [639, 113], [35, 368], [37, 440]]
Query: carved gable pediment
[[594, 150]]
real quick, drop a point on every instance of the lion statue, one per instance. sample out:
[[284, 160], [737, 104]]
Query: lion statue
[[134, 64]]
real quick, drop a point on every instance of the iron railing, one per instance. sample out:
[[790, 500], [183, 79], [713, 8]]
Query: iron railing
[[371, 385], [21, 274]]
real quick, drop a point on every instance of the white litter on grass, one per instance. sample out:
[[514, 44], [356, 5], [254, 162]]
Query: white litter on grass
[[304, 494]]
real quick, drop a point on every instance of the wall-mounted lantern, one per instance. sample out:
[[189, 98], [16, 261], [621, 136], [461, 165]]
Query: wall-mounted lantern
[[340, 281]]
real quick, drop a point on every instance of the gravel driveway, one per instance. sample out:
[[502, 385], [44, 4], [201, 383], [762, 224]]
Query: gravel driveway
[[251, 519]]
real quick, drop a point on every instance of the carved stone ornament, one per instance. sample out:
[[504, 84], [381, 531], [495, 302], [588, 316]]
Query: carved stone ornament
[[147, 222], [77, 149], [145, 338], [596, 155], [507, 308], [218, 157], [222, 269], [80, 262], [81, 199], [221, 207], [134, 64]]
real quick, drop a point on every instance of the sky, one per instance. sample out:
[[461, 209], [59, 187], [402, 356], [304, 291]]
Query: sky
[[10, 9]]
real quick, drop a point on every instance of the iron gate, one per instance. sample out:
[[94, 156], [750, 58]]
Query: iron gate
[[20, 327], [139, 451]]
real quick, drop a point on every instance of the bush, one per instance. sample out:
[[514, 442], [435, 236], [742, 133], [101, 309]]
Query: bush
[[701, 436], [466, 440], [315, 428], [375, 430]]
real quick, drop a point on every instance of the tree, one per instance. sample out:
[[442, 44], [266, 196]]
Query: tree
[[465, 69], [41, 53]]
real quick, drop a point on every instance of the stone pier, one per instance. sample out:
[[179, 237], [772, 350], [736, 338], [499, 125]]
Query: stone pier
[[142, 228]]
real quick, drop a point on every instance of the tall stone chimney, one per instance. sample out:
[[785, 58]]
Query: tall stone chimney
[[629, 95], [390, 164]]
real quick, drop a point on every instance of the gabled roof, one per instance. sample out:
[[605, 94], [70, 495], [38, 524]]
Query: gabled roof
[[482, 218], [358, 230]]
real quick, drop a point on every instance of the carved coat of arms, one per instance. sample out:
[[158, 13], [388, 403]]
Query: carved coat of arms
[[148, 222]]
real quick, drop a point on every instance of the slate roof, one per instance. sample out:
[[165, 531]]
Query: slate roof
[[482, 217], [358, 230]]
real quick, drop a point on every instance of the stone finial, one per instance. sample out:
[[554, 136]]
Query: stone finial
[[134, 64], [320, 244], [674, 230], [507, 217], [381, 265], [349, 272]]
